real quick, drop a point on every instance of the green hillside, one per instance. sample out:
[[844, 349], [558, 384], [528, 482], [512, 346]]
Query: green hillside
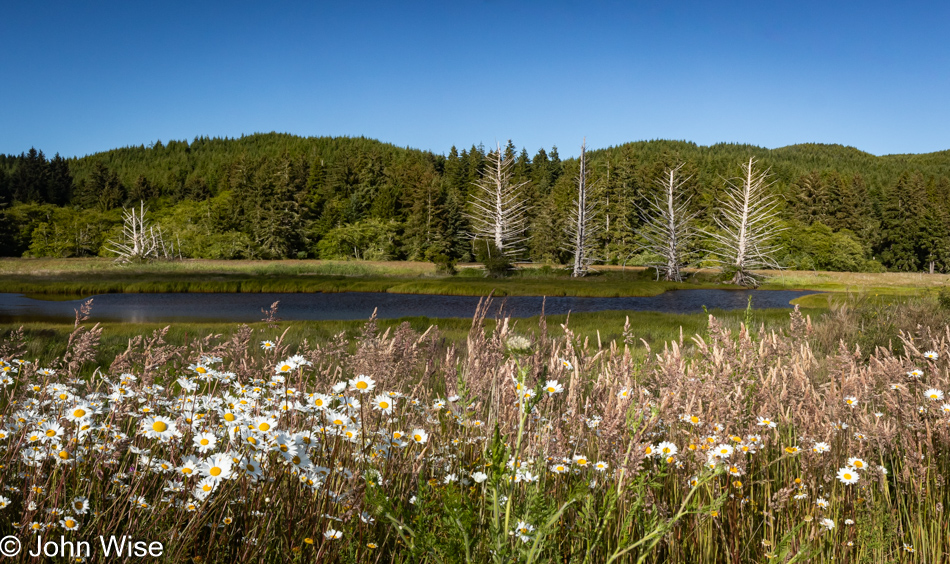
[[273, 196]]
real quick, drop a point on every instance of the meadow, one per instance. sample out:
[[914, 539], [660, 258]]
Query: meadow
[[97, 276], [750, 437], [88, 276]]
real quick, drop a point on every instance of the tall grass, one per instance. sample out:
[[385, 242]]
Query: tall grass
[[45, 340], [399, 445]]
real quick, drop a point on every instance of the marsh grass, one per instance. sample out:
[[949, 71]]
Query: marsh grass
[[98, 276], [87, 277], [519, 445]]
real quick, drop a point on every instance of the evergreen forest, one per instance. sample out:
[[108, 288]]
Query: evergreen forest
[[274, 196]]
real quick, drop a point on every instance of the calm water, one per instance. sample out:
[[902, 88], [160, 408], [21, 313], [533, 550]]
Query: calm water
[[138, 308]]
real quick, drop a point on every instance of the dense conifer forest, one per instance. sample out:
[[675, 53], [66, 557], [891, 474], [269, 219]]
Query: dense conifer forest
[[273, 196]]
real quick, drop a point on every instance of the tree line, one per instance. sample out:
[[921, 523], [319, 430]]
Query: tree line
[[274, 196]]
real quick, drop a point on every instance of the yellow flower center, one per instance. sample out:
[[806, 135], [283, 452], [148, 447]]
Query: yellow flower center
[[361, 385], [79, 413], [215, 471], [417, 437], [186, 470], [229, 417], [264, 427], [205, 442], [70, 523], [159, 427], [50, 433]]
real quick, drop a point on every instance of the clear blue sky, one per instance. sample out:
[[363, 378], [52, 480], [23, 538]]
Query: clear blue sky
[[82, 77]]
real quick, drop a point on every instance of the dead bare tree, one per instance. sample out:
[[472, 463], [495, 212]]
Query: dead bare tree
[[583, 224], [141, 241], [668, 226], [498, 208], [748, 225]]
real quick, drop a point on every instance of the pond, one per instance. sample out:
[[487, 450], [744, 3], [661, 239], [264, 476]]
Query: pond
[[227, 307]]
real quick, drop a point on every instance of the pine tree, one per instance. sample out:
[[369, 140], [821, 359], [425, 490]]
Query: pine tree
[[623, 208], [901, 246], [142, 190], [810, 199], [59, 185], [540, 176], [32, 176], [113, 194]]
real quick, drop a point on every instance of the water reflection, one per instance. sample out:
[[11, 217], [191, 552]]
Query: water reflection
[[141, 308]]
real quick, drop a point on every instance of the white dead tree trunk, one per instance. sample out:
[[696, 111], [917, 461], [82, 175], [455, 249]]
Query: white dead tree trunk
[[141, 241], [668, 226], [747, 225], [583, 220], [498, 208]]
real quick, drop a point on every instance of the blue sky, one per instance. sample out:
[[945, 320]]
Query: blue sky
[[82, 77]]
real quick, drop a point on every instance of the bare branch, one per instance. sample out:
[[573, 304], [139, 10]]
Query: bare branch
[[583, 217], [498, 209], [668, 226], [141, 241], [748, 226]]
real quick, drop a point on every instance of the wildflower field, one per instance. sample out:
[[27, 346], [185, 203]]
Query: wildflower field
[[739, 444]]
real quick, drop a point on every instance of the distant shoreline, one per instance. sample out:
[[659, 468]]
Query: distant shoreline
[[89, 276]]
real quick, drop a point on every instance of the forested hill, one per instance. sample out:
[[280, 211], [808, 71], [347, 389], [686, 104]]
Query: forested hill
[[277, 195]]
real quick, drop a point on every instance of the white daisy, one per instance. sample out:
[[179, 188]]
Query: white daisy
[[362, 384], [847, 476], [205, 442]]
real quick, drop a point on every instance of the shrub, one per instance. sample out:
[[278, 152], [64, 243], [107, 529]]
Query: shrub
[[497, 265], [444, 264], [370, 239]]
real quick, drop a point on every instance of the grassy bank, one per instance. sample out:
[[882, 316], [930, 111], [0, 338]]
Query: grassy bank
[[78, 277], [98, 276]]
